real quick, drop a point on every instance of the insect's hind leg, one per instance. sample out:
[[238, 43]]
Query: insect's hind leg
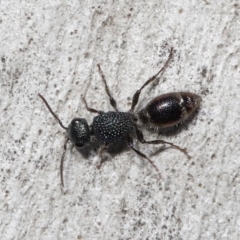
[[135, 97], [155, 142]]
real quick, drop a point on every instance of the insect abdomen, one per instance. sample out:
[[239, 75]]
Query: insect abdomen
[[169, 109]]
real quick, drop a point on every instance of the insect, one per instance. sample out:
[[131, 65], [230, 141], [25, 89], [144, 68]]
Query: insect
[[110, 127]]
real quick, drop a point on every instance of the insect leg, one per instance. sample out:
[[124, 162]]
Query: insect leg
[[88, 108], [101, 152], [137, 93], [112, 100], [130, 144], [62, 160], [142, 140]]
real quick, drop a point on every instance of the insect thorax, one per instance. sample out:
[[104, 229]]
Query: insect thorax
[[112, 126]]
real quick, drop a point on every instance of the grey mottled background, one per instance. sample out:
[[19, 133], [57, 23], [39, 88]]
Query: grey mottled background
[[52, 47]]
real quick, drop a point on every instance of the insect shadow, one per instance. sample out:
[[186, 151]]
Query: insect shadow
[[110, 128]]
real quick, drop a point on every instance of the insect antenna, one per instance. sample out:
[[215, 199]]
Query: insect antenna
[[65, 144], [51, 111]]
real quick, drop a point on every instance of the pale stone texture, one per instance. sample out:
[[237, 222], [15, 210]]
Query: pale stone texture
[[52, 48]]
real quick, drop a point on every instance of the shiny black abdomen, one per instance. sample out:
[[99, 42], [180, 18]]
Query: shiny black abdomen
[[169, 109], [165, 110], [112, 126]]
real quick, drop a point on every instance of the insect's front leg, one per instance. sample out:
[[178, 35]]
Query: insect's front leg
[[62, 160], [103, 158], [92, 110], [111, 99]]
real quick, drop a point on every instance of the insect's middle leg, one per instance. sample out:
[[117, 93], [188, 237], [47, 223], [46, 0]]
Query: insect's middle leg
[[130, 144]]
